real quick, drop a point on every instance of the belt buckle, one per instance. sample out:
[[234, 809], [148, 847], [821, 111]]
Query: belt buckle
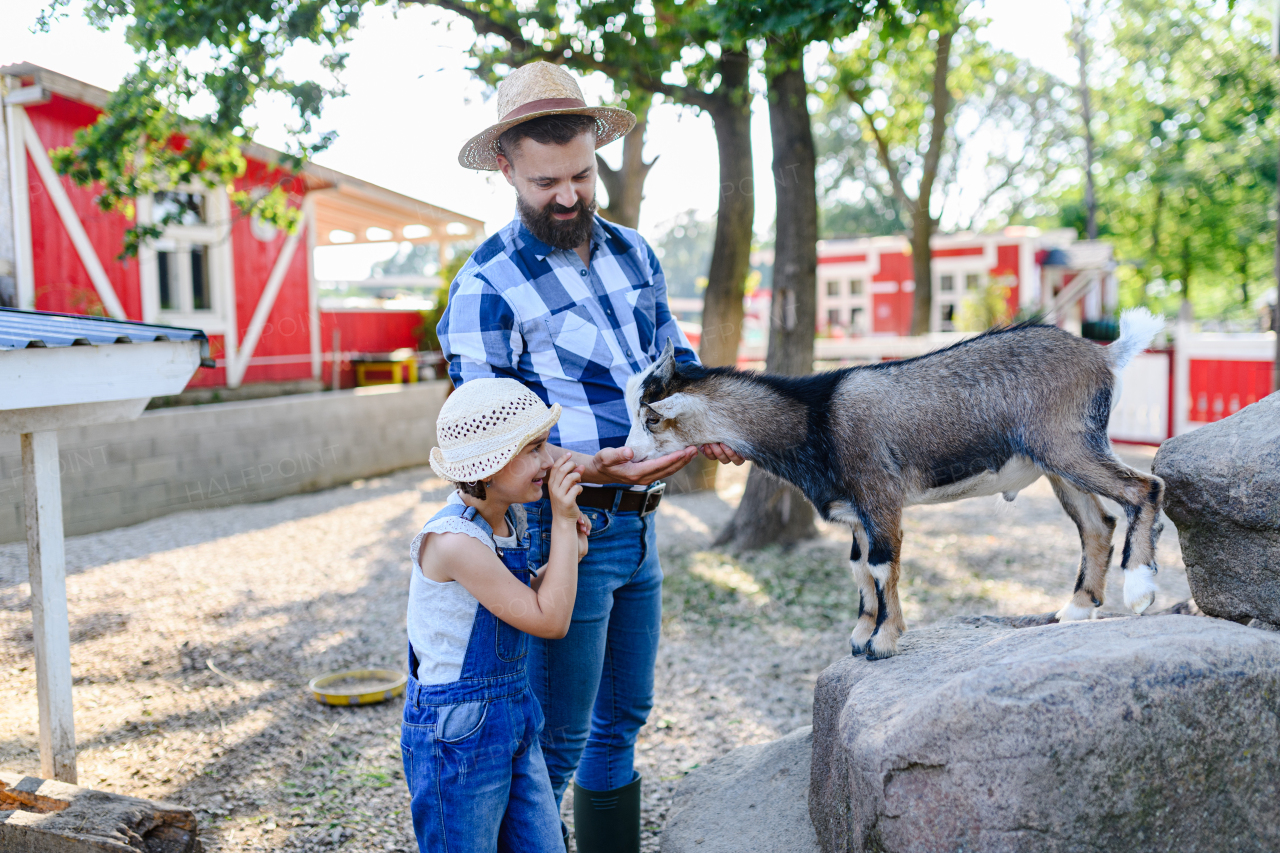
[[652, 497]]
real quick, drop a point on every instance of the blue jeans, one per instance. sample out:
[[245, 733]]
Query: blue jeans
[[596, 684]]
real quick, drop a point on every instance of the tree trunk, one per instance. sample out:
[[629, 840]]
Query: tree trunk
[[922, 221], [1080, 33], [731, 254], [772, 511], [625, 184], [922, 226], [1185, 312]]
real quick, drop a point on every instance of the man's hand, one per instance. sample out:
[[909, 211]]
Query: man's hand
[[721, 453], [614, 465]]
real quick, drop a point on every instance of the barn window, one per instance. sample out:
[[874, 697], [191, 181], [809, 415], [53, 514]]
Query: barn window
[[833, 288], [186, 273], [855, 287]]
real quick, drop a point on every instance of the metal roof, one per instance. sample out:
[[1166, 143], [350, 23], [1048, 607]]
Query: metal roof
[[22, 329]]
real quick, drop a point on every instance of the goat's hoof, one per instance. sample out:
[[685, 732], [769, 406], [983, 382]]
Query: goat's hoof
[[855, 649], [1139, 588], [885, 650], [1075, 613]]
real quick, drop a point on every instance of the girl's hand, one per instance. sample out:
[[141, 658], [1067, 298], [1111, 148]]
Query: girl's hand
[[584, 530], [562, 485]]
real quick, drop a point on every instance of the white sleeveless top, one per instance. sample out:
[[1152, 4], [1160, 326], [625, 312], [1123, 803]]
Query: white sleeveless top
[[441, 614]]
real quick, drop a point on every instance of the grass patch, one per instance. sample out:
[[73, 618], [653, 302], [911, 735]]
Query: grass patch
[[808, 589]]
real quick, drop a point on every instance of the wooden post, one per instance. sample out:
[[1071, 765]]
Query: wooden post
[[336, 358], [46, 565]]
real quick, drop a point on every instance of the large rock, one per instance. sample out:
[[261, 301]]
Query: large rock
[[1222, 489], [46, 816], [752, 800], [1155, 733]]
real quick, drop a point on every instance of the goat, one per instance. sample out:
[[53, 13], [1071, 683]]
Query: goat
[[989, 415]]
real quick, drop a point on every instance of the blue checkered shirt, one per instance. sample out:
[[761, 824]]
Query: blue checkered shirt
[[573, 334]]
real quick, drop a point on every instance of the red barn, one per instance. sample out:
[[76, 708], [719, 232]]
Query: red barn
[[250, 288], [866, 285]]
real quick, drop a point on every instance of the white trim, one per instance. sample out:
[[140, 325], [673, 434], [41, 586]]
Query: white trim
[[70, 220], [27, 95], [236, 370], [148, 265], [313, 292], [24, 279], [1181, 378], [263, 360], [215, 235]]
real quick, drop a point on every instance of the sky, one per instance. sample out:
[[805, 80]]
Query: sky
[[411, 105]]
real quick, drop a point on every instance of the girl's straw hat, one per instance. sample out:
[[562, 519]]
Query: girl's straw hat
[[540, 89], [483, 424]]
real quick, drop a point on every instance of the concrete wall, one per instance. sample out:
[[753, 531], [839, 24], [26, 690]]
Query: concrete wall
[[202, 456]]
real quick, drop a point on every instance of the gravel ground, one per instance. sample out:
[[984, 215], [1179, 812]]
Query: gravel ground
[[193, 637]]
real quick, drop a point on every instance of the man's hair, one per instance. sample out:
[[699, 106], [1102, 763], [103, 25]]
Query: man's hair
[[560, 129]]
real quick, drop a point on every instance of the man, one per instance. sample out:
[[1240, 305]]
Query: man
[[573, 306]]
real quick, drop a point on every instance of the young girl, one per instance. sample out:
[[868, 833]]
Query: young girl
[[470, 735]]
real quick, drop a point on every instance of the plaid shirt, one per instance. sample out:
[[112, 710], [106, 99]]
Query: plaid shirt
[[573, 334]]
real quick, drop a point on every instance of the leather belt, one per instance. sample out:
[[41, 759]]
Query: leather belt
[[603, 497]]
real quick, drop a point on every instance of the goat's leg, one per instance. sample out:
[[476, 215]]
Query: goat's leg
[[868, 603], [1141, 495], [884, 541], [1096, 529]]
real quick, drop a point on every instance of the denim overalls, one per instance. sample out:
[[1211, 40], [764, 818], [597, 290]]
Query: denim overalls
[[472, 759]]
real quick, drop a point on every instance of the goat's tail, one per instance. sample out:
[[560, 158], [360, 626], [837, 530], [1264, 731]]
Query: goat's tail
[[1137, 327]]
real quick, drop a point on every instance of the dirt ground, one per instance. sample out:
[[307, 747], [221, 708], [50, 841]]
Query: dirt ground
[[194, 636]]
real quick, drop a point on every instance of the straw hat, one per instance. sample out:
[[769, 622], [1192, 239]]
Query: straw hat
[[483, 424], [540, 89]]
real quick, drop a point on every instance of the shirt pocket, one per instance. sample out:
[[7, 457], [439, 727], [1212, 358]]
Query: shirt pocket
[[573, 346], [644, 312]]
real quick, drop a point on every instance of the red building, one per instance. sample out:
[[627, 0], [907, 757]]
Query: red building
[[866, 286], [251, 288]]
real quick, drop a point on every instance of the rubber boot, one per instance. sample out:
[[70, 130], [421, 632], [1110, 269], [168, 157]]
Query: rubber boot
[[607, 821]]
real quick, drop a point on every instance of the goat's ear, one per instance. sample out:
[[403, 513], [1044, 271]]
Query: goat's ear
[[666, 362], [674, 407]]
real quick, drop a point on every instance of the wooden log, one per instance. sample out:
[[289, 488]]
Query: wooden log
[[47, 569]]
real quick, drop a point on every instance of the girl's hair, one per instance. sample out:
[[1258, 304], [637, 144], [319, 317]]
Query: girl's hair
[[475, 490]]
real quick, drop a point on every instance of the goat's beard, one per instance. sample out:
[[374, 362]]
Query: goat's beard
[[558, 234]]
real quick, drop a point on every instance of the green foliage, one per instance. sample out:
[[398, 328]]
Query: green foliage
[[987, 308], [1187, 138], [873, 215], [874, 134], [684, 249], [157, 131], [425, 331]]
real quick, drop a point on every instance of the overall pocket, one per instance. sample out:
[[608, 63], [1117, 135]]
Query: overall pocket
[[458, 723], [512, 643]]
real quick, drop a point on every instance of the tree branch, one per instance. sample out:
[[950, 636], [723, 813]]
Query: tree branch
[[885, 156]]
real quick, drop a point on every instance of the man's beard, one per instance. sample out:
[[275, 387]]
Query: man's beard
[[559, 234]]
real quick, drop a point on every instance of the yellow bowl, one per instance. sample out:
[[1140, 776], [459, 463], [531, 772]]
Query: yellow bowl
[[327, 689]]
